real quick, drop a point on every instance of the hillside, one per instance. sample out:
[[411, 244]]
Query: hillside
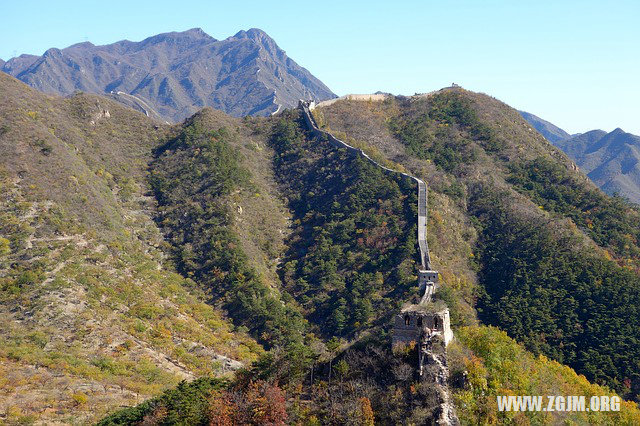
[[93, 314], [347, 287], [173, 75], [611, 160], [136, 254], [547, 245]]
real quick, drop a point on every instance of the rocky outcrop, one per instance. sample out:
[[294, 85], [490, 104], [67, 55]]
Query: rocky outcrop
[[439, 372]]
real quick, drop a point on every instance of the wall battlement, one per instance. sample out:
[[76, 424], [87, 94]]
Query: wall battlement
[[374, 97]]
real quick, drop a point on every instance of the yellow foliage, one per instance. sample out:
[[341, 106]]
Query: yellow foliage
[[500, 366], [80, 398], [366, 412], [5, 247]]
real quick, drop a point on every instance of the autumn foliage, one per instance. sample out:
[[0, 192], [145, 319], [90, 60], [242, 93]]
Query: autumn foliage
[[366, 412], [260, 403]]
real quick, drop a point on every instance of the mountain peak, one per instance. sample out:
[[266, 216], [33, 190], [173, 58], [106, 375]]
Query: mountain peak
[[594, 132], [193, 34], [196, 31], [83, 45], [262, 40], [52, 52], [255, 34], [607, 160]]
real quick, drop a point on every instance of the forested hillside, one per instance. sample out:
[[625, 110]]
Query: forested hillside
[[332, 285], [611, 160], [343, 374], [263, 266], [556, 259], [352, 253]]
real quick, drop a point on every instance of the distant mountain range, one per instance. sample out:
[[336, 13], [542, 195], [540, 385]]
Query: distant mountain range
[[611, 160], [173, 75], [550, 131]]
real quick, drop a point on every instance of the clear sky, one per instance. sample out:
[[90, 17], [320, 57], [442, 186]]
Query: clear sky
[[574, 63]]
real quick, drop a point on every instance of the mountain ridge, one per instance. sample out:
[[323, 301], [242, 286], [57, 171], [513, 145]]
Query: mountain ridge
[[549, 130], [177, 73], [611, 160]]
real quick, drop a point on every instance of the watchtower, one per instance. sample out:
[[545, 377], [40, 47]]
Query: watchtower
[[426, 275], [416, 320], [418, 326]]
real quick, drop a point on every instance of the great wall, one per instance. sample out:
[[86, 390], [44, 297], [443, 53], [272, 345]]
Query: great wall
[[419, 325]]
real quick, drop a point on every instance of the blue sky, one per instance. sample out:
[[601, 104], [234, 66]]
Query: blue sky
[[574, 63]]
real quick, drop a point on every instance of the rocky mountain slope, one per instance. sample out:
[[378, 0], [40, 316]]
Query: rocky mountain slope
[[93, 315], [173, 75], [611, 160], [550, 131], [135, 254]]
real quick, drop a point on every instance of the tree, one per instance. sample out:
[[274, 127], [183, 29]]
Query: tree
[[365, 414], [221, 409], [266, 404]]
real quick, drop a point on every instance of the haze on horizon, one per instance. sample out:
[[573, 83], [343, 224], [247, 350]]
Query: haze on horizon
[[573, 63]]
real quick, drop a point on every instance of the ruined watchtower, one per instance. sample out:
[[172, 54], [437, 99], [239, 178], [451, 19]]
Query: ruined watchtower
[[416, 321], [422, 326]]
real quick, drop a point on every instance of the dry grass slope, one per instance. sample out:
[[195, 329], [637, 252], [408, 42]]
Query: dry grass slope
[[93, 314]]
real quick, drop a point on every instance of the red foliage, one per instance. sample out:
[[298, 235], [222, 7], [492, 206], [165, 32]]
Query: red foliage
[[222, 409], [267, 404], [260, 403]]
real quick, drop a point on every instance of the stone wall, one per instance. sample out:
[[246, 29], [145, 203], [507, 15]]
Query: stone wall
[[425, 258], [376, 97]]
